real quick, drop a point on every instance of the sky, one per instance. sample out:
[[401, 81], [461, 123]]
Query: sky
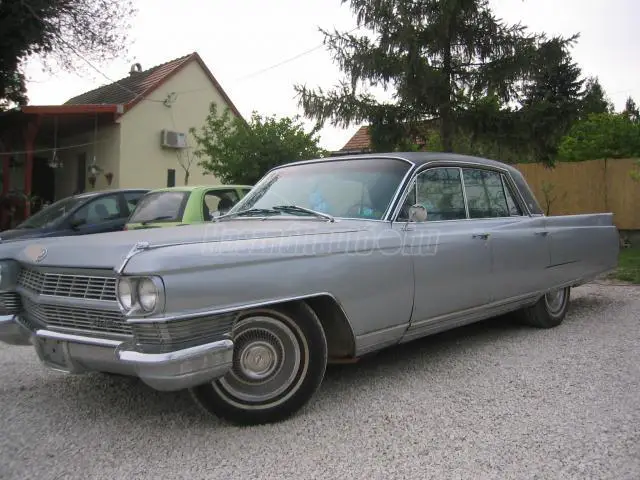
[[247, 45]]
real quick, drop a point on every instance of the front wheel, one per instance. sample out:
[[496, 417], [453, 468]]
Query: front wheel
[[549, 311], [279, 361]]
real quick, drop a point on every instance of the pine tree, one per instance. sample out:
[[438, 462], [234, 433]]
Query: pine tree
[[438, 56], [594, 100], [631, 110], [552, 98]]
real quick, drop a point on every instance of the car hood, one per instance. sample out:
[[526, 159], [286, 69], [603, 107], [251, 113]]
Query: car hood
[[20, 234], [108, 250]]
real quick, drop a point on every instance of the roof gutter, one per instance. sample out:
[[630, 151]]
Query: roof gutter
[[71, 109]]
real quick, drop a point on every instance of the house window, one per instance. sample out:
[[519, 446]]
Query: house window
[[171, 177]]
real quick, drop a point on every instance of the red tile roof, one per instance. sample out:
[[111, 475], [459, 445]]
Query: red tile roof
[[359, 142], [138, 85]]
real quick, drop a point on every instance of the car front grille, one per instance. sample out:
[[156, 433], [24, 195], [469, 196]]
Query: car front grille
[[68, 285], [178, 334], [10, 303], [77, 318]]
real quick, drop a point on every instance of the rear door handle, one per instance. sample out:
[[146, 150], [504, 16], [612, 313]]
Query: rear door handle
[[482, 236], [542, 234]]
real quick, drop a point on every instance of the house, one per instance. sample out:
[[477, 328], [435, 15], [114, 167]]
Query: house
[[130, 133], [360, 142]]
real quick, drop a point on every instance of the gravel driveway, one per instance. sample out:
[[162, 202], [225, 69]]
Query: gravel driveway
[[492, 400]]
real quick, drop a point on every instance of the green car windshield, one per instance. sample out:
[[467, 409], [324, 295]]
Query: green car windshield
[[362, 188], [160, 207]]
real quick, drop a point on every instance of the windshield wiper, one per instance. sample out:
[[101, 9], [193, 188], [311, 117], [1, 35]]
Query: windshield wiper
[[155, 219], [248, 212], [308, 211]]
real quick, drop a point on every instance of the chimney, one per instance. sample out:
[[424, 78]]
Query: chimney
[[135, 68]]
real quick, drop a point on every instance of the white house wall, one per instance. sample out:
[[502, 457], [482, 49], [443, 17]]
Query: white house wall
[[143, 162]]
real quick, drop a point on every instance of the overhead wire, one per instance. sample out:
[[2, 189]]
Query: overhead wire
[[240, 79], [51, 149]]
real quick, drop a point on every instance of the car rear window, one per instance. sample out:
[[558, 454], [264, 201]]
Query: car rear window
[[160, 207]]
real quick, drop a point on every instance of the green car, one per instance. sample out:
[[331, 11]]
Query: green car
[[173, 206]]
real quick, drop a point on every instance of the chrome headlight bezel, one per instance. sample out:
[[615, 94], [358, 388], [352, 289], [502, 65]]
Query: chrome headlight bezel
[[130, 287]]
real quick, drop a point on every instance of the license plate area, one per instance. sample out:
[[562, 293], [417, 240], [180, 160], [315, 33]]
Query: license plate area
[[55, 354]]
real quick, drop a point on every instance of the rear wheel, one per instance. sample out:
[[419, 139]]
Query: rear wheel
[[549, 311], [279, 361]]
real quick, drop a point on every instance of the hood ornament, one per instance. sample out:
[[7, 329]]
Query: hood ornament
[[35, 253]]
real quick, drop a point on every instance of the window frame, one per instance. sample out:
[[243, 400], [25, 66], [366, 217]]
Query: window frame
[[125, 201], [507, 181]]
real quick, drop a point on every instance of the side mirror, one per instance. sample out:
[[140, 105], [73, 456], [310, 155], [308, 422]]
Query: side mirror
[[77, 222], [417, 213]]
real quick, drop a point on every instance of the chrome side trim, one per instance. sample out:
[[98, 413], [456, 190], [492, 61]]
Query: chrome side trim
[[388, 212], [236, 308], [465, 199]]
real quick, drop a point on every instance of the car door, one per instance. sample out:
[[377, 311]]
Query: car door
[[519, 245], [452, 261], [103, 214]]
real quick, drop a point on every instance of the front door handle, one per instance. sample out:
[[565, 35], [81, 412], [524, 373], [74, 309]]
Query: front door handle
[[542, 234], [482, 236]]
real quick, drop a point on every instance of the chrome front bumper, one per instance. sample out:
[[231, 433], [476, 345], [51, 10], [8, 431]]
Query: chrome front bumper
[[76, 354]]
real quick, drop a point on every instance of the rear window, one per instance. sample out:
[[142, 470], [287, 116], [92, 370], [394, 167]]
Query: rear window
[[160, 207]]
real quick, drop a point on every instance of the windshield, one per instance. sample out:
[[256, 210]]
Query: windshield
[[52, 213], [160, 207], [355, 188]]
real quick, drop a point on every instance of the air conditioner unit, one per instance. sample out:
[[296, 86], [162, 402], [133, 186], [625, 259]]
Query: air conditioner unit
[[172, 139]]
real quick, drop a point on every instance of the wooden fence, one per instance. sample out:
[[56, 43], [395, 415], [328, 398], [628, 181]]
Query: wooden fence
[[593, 186]]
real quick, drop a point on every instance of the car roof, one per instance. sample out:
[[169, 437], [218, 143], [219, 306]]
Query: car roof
[[97, 193], [417, 158], [193, 188]]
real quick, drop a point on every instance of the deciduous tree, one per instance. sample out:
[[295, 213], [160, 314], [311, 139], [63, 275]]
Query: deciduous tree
[[60, 33], [241, 152], [601, 135]]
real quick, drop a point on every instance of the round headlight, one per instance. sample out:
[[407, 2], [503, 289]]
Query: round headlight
[[147, 294], [125, 293]]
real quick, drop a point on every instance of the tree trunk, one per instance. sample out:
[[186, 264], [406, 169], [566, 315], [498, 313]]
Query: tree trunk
[[186, 177], [446, 121]]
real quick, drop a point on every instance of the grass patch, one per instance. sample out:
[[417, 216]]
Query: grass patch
[[629, 265]]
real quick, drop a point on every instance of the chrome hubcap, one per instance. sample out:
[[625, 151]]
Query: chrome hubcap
[[258, 360], [266, 361], [555, 300]]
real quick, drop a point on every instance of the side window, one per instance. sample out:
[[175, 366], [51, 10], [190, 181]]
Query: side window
[[486, 195], [101, 210], [512, 205], [218, 201], [439, 190], [132, 199]]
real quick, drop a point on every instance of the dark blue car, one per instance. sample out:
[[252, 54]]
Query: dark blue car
[[82, 214]]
